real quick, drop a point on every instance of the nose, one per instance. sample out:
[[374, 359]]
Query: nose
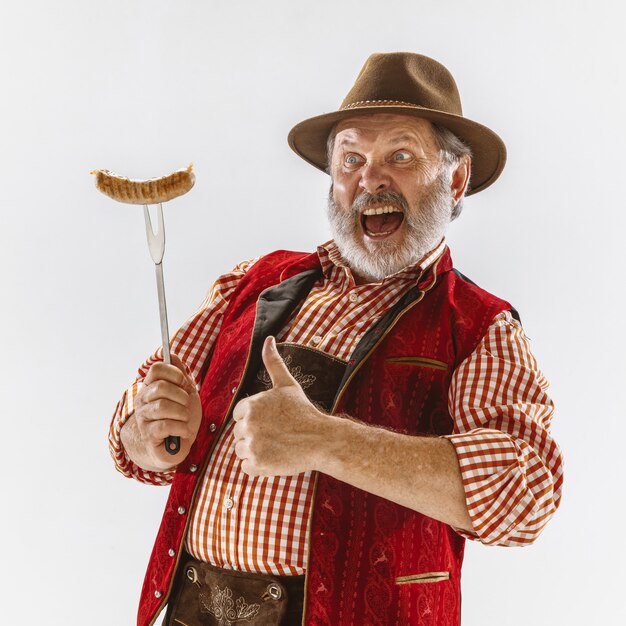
[[374, 178]]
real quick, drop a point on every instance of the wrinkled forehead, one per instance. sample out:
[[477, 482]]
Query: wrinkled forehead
[[381, 127]]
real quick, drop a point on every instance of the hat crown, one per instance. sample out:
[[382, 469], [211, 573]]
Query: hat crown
[[407, 78]]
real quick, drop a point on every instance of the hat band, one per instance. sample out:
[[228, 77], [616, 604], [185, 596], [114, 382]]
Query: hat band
[[384, 103]]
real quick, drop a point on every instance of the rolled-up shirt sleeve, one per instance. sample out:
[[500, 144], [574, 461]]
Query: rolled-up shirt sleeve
[[192, 342], [511, 466]]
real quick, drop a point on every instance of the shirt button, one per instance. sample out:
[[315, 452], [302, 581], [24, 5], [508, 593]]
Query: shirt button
[[171, 552], [228, 504], [354, 297], [182, 510], [316, 340], [157, 594], [193, 469], [212, 427]]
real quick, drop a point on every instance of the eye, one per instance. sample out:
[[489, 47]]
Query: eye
[[352, 159], [401, 155]]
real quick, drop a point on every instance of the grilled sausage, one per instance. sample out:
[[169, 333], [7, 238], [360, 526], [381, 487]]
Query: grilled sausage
[[151, 191]]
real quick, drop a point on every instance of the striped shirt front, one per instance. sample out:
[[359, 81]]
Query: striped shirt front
[[510, 465]]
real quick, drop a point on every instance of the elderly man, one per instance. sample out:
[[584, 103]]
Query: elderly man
[[348, 417]]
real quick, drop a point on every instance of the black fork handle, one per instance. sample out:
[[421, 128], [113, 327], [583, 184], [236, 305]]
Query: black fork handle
[[172, 444]]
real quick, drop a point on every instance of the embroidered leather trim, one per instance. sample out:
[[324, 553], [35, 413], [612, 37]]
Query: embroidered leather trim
[[220, 604], [305, 380]]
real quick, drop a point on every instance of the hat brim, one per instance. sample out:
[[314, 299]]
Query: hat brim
[[308, 139]]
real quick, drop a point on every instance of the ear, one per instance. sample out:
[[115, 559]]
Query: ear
[[460, 178]]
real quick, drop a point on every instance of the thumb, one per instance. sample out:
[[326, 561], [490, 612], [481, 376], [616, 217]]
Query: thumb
[[188, 382], [275, 365]]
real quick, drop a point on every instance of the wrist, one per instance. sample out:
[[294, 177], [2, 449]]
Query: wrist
[[331, 436]]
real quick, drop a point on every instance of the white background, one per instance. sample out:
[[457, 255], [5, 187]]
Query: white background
[[143, 87]]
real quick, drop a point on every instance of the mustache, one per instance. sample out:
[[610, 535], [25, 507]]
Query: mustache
[[365, 200]]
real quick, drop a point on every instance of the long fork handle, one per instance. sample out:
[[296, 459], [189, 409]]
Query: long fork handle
[[172, 443], [165, 334]]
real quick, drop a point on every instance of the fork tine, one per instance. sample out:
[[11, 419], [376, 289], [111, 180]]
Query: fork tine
[[156, 241]]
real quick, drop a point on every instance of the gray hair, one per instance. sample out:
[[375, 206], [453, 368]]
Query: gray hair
[[451, 149]]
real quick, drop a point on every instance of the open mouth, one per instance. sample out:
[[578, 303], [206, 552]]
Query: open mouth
[[380, 222]]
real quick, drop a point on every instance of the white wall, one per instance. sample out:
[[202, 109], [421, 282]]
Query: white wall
[[142, 87]]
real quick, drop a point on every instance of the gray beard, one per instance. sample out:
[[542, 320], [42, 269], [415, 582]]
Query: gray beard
[[425, 225]]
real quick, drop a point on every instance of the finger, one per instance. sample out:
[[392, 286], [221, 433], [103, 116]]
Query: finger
[[275, 365], [241, 409], [164, 371], [238, 431], [164, 390], [190, 383], [175, 372], [247, 467], [163, 409], [156, 432], [242, 450]]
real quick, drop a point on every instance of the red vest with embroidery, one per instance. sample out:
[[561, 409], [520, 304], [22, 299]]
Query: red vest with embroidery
[[371, 562]]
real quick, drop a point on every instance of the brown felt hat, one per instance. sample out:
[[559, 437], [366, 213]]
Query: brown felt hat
[[407, 84]]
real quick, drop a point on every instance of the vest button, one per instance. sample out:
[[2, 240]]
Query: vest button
[[157, 594], [182, 510], [171, 552], [212, 427], [193, 469], [233, 390]]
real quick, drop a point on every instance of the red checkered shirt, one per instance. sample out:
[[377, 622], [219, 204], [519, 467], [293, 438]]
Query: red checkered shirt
[[510, 465]]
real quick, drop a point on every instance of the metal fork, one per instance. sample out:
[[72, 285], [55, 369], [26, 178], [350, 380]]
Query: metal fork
[[156, 244]]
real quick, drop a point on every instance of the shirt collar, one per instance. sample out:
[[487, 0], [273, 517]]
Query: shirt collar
[[331, 258]]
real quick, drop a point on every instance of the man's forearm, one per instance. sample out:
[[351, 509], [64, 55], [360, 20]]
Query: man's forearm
[[421, 473]]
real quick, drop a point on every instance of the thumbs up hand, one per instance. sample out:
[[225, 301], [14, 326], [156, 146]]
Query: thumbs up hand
[[277, 432]]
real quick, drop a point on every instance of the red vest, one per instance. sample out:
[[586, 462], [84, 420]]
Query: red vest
[[371, 562]]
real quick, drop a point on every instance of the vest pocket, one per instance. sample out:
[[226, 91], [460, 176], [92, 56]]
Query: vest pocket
[[418, 361], [426, 577]]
